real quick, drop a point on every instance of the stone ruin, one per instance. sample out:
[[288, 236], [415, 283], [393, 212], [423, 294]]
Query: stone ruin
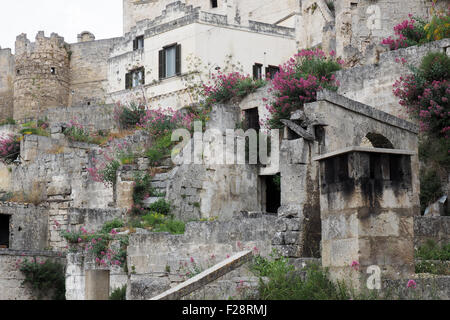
[[348, 169]]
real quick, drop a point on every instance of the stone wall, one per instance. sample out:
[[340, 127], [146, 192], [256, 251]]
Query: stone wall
[[431, 228], [28, 225], [88, 71], [76, 277], [11, 277], [93, 118], [6, 83], [42, 78], [361, 24], [373, 84], [170, 257]]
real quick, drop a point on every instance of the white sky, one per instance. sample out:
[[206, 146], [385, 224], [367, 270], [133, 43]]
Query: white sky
[[67, 18]]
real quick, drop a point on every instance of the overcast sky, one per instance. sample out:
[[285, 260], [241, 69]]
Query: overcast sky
[[65, 17]]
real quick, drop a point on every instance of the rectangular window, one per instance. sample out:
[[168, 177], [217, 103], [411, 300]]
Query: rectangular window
[[135, 78], [214, 4], [252, 119], [271, 71], [4, 231], [138, 43], [170, 61], [257, 71]]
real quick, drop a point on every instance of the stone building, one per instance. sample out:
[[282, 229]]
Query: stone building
[[345, 189], [163, 41]]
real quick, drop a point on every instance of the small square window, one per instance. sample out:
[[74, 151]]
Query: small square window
[[53, 70], [257, 71], [135, 78], [4, 231], [18, 71], [271, 71], [214, 4]]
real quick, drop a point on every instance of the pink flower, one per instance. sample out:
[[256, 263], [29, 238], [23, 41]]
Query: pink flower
[[355, 265], [411, 284]]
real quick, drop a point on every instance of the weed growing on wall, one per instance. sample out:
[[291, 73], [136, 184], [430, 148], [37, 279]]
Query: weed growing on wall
[[46, 277]]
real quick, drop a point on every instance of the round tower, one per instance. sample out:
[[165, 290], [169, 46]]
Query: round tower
[[41, 75]]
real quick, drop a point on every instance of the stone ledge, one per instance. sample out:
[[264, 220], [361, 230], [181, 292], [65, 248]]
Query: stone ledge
[[368, 111], [32, 253]]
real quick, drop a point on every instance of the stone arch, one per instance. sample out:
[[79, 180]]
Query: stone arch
[[376, 140]]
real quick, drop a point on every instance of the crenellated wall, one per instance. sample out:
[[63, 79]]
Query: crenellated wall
[[42, 76]]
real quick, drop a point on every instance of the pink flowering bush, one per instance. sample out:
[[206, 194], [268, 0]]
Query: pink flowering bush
[[97, 244], [299, 80], [409, 33], [9, 148], [226, 86], [426, 93]]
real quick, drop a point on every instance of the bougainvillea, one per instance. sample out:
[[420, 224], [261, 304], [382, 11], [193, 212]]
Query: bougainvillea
[[298, 81], [9, 148]]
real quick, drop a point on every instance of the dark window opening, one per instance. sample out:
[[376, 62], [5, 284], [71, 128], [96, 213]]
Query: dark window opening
[[389, 167], [271, 71], [336, 169], [135, 78], [271, 193], [257, 71], [18, 71], [4, 231], [138, 43], [252, 119], [214, 4], [89, 103], [53, 70], [170, 61]]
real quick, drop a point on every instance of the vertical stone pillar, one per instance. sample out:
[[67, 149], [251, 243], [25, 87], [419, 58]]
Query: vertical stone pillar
[[367, 209], [97, 284]]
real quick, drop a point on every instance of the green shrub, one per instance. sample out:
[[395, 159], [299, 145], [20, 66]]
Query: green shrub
[[284, 283], [108, 226], [119, 293], [435, 66], [431, 251], [160, 149], [161, 206], [432, 267], [130, 116], [160, 223], [430, 188], [45, 278], [8, 121], [142, 188], [109, 173]]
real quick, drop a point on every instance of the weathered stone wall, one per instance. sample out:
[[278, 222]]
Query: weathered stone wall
[[77, 265], [171, 257], [431, 228], [88, 72], [92, 118], [373, 84], [364, 120], [360, 24], [42, 78], [28, 226], [6, 83], [11, 277]]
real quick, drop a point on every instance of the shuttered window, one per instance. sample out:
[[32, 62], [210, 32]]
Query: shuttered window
[[135, 78], [138, 43], [170, 61]]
